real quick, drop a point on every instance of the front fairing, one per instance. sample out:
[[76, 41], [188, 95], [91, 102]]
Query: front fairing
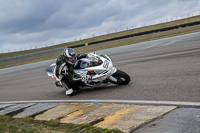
[[50, 70]]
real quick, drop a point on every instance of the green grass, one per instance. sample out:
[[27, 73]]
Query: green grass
[[105, 45], [28, 125]]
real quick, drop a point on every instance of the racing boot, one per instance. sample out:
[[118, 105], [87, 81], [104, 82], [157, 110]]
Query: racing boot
[[58, 82], [67, 86]]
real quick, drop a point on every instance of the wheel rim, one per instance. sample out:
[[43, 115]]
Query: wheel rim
[[121, 79]]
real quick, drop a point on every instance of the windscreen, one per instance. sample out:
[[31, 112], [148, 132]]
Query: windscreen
[[82, 64]]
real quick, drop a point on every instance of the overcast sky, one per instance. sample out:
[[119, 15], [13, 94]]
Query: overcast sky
[[25, 24]]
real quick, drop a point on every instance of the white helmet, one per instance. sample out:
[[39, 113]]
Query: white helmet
[[70, 55]]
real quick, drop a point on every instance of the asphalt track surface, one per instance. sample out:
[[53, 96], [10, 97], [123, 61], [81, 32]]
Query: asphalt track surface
[[161, 70]]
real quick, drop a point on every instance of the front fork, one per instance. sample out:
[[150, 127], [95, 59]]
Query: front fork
[[113, 79]]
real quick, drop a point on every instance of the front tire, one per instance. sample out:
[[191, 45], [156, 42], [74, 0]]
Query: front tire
[[122, 77]]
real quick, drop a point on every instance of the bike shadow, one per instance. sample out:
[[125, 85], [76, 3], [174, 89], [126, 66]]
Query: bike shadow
[[96, 89]]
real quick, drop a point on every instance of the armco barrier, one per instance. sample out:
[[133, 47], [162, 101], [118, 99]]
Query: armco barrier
[[106, 40], [37, 53], [29, 55], [148, 32]]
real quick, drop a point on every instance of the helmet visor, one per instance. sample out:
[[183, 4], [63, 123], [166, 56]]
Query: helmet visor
[[72, 59]]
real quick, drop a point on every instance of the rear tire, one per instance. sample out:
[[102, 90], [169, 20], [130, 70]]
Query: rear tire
[[122, 77]]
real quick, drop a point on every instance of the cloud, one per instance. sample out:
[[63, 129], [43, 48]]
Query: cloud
[[31, 23]]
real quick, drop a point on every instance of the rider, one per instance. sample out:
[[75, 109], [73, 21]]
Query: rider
[[64, 68]]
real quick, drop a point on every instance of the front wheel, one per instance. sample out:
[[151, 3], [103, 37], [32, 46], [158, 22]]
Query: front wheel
[[122, 77]]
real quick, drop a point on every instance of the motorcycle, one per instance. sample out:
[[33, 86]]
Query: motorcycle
[[95, 71]]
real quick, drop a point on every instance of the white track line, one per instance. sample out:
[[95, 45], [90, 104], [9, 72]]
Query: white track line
[[141, 102]]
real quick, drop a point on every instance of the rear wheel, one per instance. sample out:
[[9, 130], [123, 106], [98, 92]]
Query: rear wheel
[[122, 77]]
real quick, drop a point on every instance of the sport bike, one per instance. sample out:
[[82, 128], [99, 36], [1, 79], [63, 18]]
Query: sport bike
[[95, 71]]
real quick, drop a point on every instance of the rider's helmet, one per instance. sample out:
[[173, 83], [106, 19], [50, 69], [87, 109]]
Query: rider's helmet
[[70, 55]]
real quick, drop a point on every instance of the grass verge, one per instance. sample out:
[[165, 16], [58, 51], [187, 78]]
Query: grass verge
[[107, 36], [28, 125], [105, 45]]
